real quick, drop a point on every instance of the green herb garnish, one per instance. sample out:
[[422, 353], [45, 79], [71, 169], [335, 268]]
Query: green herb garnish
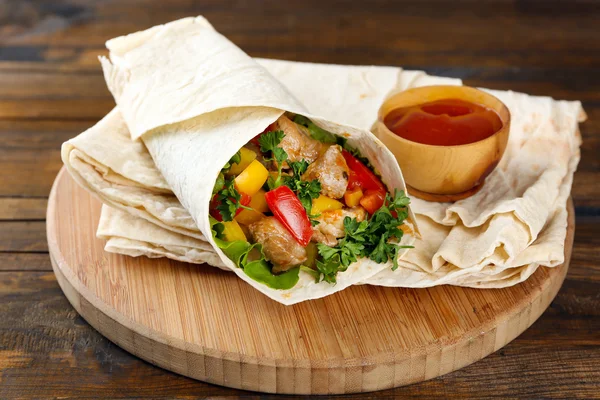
[[219, 183], [316, 132], [269, 142], [299, 167], [228, 199], [324, 136], [342, 141], [305, 190], [235, 159], [369, 238]]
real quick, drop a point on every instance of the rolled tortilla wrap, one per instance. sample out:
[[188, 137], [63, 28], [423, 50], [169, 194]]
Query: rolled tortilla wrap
[[195, 99], [121, 173]]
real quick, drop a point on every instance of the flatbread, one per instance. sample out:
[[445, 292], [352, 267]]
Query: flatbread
[[519, 217], [134, 236]]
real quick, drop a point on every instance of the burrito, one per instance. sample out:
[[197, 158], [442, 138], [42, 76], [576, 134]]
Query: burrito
[[297, 197], [196, 100]]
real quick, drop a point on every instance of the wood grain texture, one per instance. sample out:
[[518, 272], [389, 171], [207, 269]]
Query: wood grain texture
[[25, 261], [22, 209], [54, 353], [23, 236], [413, 29], [209, 325], [49, 50]]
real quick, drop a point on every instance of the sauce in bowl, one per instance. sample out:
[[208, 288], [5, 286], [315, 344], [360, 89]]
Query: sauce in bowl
[[445, 122]]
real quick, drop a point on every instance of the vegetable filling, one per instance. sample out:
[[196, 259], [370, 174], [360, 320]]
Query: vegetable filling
[[299, 198]]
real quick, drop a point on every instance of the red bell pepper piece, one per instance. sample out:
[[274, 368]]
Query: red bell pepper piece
[[216, 214], [360, 176], [372, 200], [289, 211]]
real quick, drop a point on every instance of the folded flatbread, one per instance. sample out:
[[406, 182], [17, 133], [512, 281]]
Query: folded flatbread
[[518, 220]]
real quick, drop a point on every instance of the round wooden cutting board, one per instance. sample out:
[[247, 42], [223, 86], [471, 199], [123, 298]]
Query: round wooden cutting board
[[207, 324]]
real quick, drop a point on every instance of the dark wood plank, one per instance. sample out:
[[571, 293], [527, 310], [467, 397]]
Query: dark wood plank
[[22, 208], [23, 236], [30, 154], [83, 95], [18, 84], [69, 108], [585, 190], [40, 81], [507, 33], [25, 262], [43, 340], [55, 348], [585, 256]]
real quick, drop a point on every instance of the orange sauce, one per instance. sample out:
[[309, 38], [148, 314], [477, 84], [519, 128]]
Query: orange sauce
[[447, 122]]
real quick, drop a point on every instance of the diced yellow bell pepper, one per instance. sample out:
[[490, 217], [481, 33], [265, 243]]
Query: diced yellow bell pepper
[[324, 203], [259, 206], [252, 178], [247, 156], [352, 197], [232, 231], [259, 202], [247, 217]]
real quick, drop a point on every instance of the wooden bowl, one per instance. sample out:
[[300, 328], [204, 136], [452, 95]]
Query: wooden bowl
[[444, 173]]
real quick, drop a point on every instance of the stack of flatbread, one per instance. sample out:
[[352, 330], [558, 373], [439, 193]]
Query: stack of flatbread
[[496, 238]]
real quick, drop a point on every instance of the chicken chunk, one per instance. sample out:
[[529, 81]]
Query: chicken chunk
[[297, 144], [279, 246], [331, 224], [331, 170]]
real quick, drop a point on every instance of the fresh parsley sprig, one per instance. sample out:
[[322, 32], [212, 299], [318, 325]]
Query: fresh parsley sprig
[[299, 168], [228, 200], [305, 190], [268, 143], [235, 159], [220, 182], [376, 239]]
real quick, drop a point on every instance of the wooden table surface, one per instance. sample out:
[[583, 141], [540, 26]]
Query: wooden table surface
[[51, 89]]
